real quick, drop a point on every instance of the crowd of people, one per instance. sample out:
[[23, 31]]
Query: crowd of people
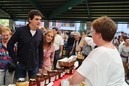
[[33, 49], [103, 66]]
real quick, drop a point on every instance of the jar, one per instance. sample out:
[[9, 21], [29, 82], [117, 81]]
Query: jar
[[40, 80], [32, 82], [51, 75], [46, 78], [63, 72], [59, 70], [56, 74], [11, 85], [21, 82]]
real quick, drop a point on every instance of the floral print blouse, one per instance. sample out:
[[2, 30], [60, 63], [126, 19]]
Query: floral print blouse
[[4, 57], [48, 58]]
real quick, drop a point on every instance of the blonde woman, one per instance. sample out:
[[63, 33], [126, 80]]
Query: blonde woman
[[5, 59], [49, 51]]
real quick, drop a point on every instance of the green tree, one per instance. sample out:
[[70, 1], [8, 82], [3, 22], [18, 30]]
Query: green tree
[[82, 27], [4, 22]]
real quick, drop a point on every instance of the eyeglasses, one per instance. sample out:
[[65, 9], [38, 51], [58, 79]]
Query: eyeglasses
[[92, 30]]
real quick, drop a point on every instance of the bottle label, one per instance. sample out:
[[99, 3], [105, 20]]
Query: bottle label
[[42, 83]]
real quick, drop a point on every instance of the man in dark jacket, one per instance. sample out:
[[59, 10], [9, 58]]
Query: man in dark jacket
[[29, 39]]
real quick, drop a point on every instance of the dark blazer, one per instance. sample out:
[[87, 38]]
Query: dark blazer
[[29, 48]]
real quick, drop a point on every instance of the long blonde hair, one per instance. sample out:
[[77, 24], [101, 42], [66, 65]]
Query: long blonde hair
[[47, 32]]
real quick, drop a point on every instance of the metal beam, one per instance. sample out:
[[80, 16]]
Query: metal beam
[[88, 10], [65, 7], [10, 14], [85, 19], [111, 3], [5, 10], [34, 3]]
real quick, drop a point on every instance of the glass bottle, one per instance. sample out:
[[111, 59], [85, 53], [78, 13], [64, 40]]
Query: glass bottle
[[32, 82], [46, 78], [40, 80], [21, 82]]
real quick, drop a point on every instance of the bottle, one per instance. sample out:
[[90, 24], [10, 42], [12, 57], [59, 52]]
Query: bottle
[[32, 82], [21, 82], [40, 80], [46, 79]]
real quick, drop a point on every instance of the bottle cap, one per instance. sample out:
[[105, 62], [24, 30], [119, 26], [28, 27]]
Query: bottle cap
[[32, 79], [21, 79]]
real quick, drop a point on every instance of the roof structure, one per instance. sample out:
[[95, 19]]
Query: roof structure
[[82, 10]]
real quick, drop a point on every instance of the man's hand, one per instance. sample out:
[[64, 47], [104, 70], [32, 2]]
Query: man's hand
[[60, 55]]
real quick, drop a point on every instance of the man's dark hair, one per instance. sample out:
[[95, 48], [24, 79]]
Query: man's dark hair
[[55, 28], [33, 13]]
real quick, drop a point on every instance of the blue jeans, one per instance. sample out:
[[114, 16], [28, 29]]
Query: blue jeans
[[21, 72], [56, 58], [68, 50]]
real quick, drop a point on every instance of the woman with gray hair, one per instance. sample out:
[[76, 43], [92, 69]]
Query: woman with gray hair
[[103, 66], [88, 46]]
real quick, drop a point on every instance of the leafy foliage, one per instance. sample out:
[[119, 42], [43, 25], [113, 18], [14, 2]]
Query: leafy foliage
[[4, 22]]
